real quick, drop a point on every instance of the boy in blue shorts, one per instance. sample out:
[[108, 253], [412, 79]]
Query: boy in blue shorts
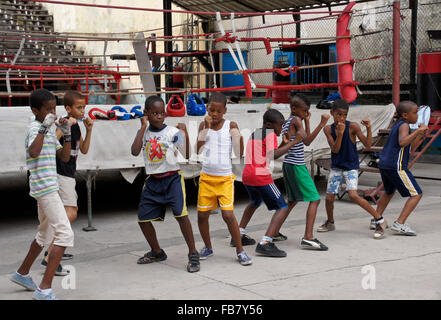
[[42, 148], [164, 185], [341, 136], [298, 183], [256, 177], [393, 163]]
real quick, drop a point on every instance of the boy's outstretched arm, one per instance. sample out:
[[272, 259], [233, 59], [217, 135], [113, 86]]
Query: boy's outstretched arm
[[84, 144], [366, 140], [237, 139], [184, 148], [137, 143], [296, 128], [405, 138], [311, 136]]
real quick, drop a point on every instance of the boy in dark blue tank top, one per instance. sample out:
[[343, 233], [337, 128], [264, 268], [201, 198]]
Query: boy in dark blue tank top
[[393, 165], [342, 135]]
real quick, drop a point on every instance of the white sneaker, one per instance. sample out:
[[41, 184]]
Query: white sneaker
[[403, 229]]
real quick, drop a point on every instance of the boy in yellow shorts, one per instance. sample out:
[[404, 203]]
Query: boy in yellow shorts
[[216, 139]]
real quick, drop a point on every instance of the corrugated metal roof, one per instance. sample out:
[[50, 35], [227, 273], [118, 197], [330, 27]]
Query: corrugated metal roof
[[253, 5]]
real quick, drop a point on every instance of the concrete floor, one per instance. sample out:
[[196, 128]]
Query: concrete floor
[[355, 267]]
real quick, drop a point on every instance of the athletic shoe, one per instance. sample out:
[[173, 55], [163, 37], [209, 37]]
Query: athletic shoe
[[25, 282], [245, 239], [40, 296], [205, 253], [313, 244], [152, 256], [269, 249], [280, 237], [379, 229], [372, 225], [403, 229], [60, 270], [327, 226], [193, 262], [66, 256], [244, 259]]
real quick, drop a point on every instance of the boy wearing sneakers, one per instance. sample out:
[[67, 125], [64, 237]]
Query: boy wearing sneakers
[[75, 104], [341, 136], [164, 185], [298, 183], [42, 148], [217, 137], [393, 163], [256, 177]]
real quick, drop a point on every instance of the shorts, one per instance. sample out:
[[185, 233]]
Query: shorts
[[335, 180], [66, 190], [54, 224], [214, 190], [158, 193], [298, 183], [402, 180], [269, 194]]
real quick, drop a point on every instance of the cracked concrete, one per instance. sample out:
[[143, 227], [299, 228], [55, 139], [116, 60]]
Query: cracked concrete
[[105, 260]]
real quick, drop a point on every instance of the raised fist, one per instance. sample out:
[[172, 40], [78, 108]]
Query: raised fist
[[64, 125], [88, 123], [208, 121], [366, 122], [324, 118], [49, 120], [181, 126], [144, 121], [340, 128]]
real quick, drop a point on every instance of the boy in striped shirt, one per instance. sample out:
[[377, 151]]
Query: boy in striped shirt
[[298, 183], [42, 148]]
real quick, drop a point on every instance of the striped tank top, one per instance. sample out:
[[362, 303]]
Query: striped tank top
[[295, 155]]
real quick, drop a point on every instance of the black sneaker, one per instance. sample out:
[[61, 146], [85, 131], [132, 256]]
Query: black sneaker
[[60, 270], [152, 256], [246, 241], [280, 237], [193, 262], [313, 244], [270, 250]]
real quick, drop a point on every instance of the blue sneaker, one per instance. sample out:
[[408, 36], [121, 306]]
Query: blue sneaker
[[244, 259], [40, 296], [25, 282], [205, 253]]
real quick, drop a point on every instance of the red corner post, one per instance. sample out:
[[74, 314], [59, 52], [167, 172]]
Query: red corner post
[[396, 54]]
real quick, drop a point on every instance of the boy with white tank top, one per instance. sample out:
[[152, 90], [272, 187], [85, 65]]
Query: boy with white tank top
[[216, 139]]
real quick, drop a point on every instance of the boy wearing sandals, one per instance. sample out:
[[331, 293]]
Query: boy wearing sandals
[[164, 185]]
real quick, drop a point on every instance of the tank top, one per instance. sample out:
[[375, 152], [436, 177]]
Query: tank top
[[217, 152], [347, 158], [393, 156], [295, 155]]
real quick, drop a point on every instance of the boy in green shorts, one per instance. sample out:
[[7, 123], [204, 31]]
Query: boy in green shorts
[[298, 183]]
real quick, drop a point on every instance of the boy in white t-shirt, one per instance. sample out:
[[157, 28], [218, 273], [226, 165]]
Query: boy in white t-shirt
[[164, 185]]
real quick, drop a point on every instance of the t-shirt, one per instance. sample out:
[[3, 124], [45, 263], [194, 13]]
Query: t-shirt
[[160, 149], [256, 171], [43, 168], [69, 168], [393, 156], [295, 155]]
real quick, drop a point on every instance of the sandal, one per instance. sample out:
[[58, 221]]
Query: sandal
[[193, 262], [152, 256]]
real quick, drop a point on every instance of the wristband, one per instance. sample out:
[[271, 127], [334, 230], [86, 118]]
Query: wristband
[[43, 129], [67, 138]]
